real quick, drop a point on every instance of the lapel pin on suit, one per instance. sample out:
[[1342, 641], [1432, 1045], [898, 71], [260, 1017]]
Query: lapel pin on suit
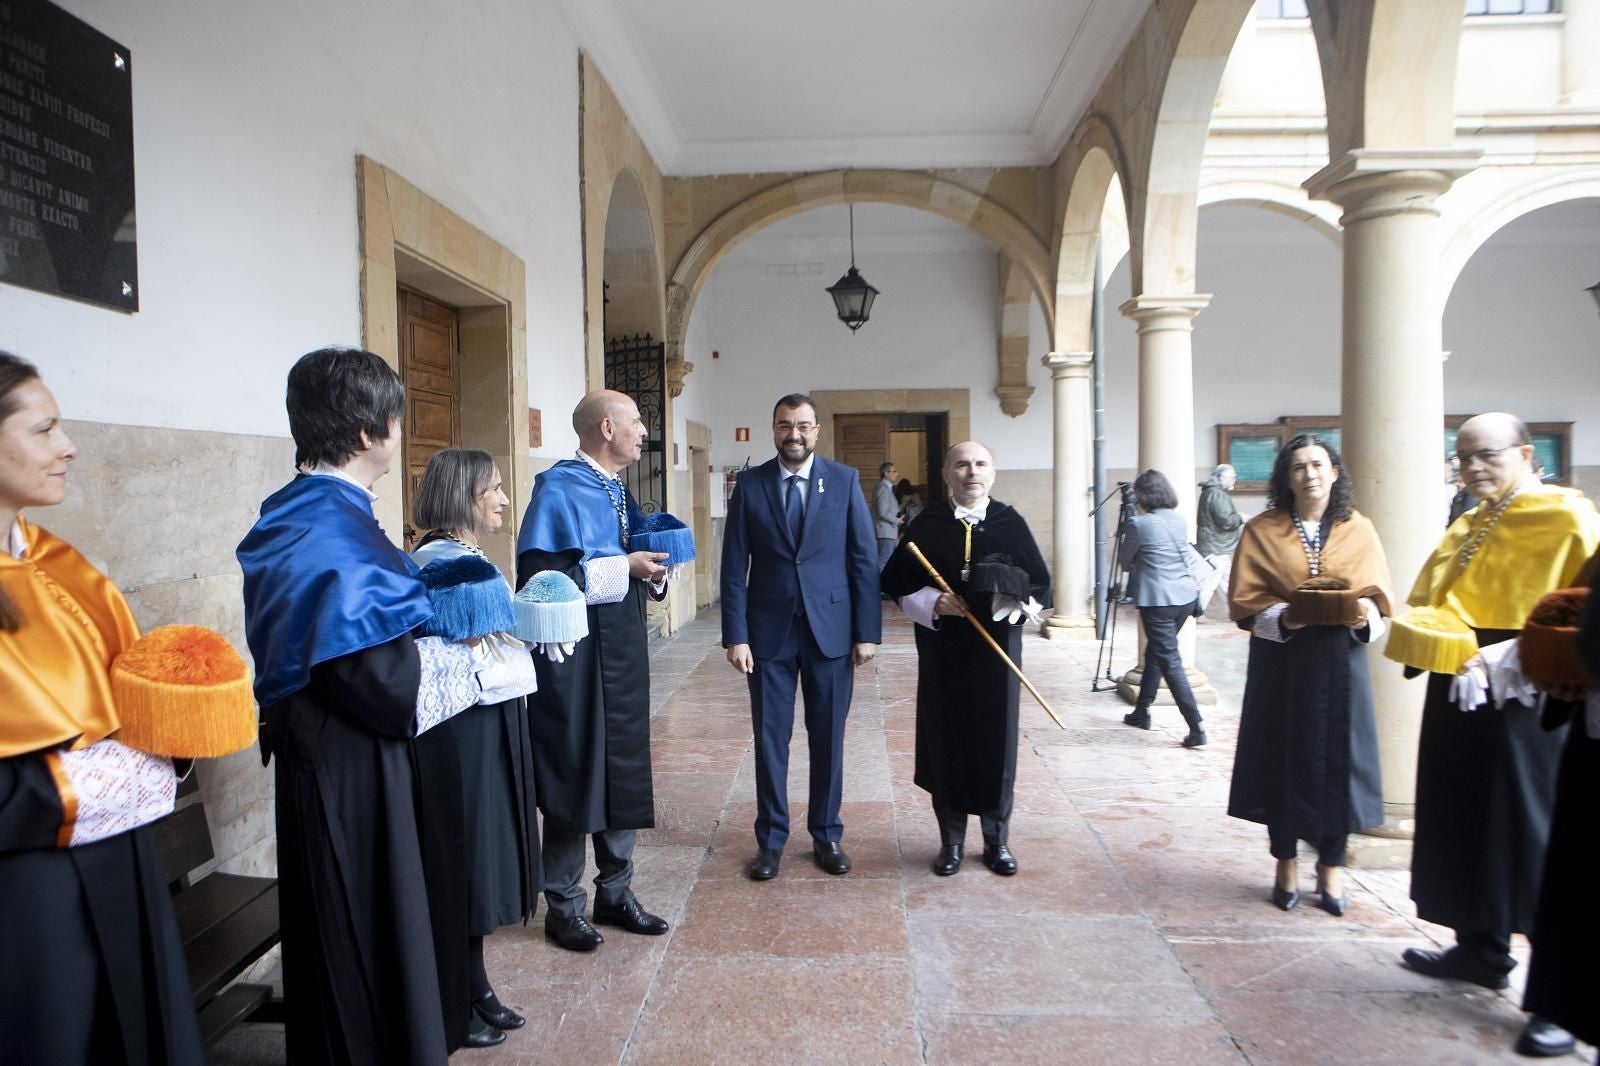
[[821, 488]]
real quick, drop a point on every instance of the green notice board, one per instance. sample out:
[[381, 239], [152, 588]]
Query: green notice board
[[1252, 457]]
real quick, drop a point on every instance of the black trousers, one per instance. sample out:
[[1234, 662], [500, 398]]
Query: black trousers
[[1330, 848], [1486, 948], [953, 823], [1161, 660]]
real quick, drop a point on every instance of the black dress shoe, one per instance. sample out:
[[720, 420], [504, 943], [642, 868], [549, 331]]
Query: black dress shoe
[[481, 1034], [1334, 905], [764, 867], [497, 1014], [1137, 719], [1453, 964], [1196, 739], [831, 858], [574, 934], [1543, 1039], [949, 860], [630, 916], [1000, 860], [1286, 899]]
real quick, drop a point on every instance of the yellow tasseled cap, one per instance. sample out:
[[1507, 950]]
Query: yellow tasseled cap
[[1431, 639], [183, 692]]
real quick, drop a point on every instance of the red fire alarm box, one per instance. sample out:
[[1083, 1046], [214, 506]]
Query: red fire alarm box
[[741, 433]]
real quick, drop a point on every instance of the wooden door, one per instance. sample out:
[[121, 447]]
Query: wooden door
[[430, 366], [862, 441]]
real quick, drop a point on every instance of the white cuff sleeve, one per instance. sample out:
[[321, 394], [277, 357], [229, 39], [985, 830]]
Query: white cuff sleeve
[[117, 789], [448, 684], [918, 606], [1375, 624], [1269, 624], [1506, 680], [605, 579]]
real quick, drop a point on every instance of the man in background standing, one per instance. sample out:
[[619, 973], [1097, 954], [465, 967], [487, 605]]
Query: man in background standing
[[886, 512], [1219, 523]]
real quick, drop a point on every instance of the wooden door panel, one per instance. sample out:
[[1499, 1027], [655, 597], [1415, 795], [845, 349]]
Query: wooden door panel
[[862, 441], [430, 367]]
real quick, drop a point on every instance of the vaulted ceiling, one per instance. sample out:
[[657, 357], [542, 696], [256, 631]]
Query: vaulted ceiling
[[746, 86]]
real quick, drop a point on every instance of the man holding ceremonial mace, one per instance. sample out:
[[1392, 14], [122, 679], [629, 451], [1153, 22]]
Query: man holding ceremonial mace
[[966, 695]]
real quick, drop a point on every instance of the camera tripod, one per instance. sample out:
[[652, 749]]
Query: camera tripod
[[1106, 623]]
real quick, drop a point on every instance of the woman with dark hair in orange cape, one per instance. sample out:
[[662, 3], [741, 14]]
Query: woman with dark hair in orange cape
[[1306, 765]]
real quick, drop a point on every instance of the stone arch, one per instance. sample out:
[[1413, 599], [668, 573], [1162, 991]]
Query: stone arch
[[1284, 199], [1165, 210], [923, 191], [1472, 234], [630, 271], [1095, 192]]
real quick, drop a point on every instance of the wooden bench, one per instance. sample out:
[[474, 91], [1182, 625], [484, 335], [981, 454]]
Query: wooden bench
[[226, 921]]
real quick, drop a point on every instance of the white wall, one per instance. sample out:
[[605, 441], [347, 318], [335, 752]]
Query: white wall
[[247, 122], [1522, 334], [935, 326]]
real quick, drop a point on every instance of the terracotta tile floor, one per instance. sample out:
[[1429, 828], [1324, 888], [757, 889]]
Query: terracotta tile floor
[[1138, 930]]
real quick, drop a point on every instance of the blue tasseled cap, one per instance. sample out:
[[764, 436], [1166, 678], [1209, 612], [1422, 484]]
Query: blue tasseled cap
[[550, 609], [662, 532], [469, 599]]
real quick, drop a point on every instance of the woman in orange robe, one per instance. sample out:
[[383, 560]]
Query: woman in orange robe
[[92, 970]]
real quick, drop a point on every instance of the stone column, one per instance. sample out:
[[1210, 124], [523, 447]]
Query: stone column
[[1166, 434], [1392, 400], [1072, 477]]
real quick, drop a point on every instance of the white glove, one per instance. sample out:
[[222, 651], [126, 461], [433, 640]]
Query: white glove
[[1013, 610], [675, 571], [1470, 688], [557, 653]]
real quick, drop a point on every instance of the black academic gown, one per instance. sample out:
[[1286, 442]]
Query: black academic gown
[[966, 697], [359, 967], [1486, 783], [590, 719], [1307, 757], [1565, 966], [91, 967]]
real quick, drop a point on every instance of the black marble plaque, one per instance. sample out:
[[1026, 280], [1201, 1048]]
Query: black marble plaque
[[66, 157]]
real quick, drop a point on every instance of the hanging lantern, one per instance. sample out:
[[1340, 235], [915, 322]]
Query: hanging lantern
[[853, 294]]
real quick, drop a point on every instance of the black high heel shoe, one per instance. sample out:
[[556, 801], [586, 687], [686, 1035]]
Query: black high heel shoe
[[497, 1014], [1286, 899], [1334, 905]]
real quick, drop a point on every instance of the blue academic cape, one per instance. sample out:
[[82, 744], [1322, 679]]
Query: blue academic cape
[[321, 580], [570, 511]]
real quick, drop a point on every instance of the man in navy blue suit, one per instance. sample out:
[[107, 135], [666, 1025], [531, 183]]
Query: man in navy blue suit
[[799, 601]]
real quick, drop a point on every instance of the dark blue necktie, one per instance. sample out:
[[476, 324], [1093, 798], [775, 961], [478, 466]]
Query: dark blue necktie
[[793, 508]]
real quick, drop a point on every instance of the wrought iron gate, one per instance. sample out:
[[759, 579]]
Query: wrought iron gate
[[637, 366]]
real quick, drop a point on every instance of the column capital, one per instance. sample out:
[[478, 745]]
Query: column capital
[[1068, 364], [1165, 312], [1369, 182]]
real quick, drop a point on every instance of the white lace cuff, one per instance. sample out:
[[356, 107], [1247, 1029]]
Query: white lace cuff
[[1269, 624], [918, 606], [448, 684], [116, 789], [605, 579]]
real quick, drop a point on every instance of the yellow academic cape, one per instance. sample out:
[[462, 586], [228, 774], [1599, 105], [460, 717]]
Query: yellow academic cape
[[1540, 543], [55, 670]]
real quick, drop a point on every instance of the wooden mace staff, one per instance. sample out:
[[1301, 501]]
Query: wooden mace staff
[[966, 612]]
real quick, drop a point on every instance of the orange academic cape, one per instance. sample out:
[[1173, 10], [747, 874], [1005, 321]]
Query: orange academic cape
[[55, 685]]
